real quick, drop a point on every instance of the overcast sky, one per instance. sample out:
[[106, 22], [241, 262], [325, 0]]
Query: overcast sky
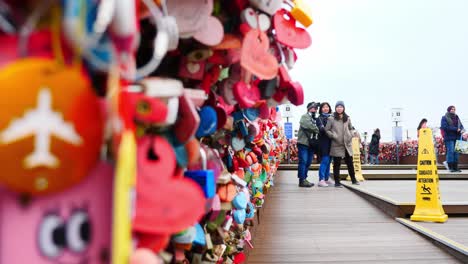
[[380, 54]]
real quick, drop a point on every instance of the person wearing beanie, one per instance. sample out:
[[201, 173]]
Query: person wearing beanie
[[324, 146], [452, 129], [340, 130], [307, 143]]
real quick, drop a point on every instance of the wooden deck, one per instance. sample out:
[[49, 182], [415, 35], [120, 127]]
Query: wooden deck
[[451, 192], [330, 225], [371, 167]]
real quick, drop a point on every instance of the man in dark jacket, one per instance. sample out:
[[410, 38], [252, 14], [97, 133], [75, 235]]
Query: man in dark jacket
[[452, 129], [307, 141], [374, 147]]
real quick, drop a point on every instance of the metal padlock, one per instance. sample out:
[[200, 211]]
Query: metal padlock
[[204, 177]]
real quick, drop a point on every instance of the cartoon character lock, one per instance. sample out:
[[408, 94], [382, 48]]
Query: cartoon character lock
[[72, 226]]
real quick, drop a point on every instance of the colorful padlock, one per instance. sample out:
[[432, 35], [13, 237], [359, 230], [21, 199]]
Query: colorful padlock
[[204, 178]]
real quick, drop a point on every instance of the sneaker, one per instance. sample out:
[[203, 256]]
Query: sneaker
[[338, 185], [446, 165], [356, 183], [322, 183], [330, 182], [305, 183]]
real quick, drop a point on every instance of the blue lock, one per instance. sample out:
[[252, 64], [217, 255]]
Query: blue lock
[[239, 216], [251, 211], [239, 123], [200, 236], [205, 178], [208, 122], [240, 201]]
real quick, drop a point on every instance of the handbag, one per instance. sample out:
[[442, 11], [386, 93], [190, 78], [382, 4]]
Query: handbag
[[461, 146]]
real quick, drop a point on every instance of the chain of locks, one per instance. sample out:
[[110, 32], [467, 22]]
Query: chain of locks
[[141, 131]]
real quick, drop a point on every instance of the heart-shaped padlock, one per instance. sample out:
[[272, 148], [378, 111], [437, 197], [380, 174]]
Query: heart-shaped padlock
[[255, 57], [161, 206], [247, 95], [287, 33]]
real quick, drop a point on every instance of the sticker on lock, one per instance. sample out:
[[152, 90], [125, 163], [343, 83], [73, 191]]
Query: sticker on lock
[[51, 126]]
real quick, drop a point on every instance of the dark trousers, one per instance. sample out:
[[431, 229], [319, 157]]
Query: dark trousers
[[336, 167], [306, 155]]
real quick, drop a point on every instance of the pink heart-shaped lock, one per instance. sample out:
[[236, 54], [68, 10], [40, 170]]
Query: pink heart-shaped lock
[[247, 95], [191, 15], [287, 33], [255, 56], [212, 33], [296, 93]]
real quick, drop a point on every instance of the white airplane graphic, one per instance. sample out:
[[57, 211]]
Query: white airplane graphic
[[42, 122]]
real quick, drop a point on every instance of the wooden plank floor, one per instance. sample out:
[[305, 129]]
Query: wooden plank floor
[[455, 229], [451, 191], [330, 225]]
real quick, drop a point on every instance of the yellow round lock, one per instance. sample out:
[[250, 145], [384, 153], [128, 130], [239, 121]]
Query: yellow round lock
[[51, 126]]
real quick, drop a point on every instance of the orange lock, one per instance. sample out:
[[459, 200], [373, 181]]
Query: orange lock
[[51, 126], [227, 192]]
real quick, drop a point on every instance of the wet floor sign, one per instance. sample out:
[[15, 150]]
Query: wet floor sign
[[356, 160], [428, 204]]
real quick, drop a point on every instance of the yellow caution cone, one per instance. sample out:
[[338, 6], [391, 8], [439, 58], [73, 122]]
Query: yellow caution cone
[[428, 204], [356, 161]]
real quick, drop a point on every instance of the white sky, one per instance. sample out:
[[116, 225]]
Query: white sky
[[380, 54]]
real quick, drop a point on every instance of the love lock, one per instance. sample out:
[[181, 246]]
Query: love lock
[[268, 6], [209, 121], [192, 70], [188, 120], [254, 20], [158, 103], [301, 12], [204, 177], [287, 88], [287, 33], [255, 57]]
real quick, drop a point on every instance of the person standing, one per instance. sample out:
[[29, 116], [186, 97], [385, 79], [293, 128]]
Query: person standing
[[374, 147], [422, 124], [339, 129], [307, 143], [452, 129], [324, 146]]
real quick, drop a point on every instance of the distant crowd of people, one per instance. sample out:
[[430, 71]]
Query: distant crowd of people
[[328, 135]]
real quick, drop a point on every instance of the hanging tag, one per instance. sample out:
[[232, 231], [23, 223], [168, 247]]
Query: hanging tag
[[32, 226], [288, 34], [51, 126]]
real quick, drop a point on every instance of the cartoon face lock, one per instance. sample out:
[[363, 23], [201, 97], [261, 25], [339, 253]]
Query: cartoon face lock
[[71, 227]]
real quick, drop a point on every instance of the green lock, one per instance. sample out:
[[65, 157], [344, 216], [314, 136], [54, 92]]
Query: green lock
[[263, 176], [213, 225]]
